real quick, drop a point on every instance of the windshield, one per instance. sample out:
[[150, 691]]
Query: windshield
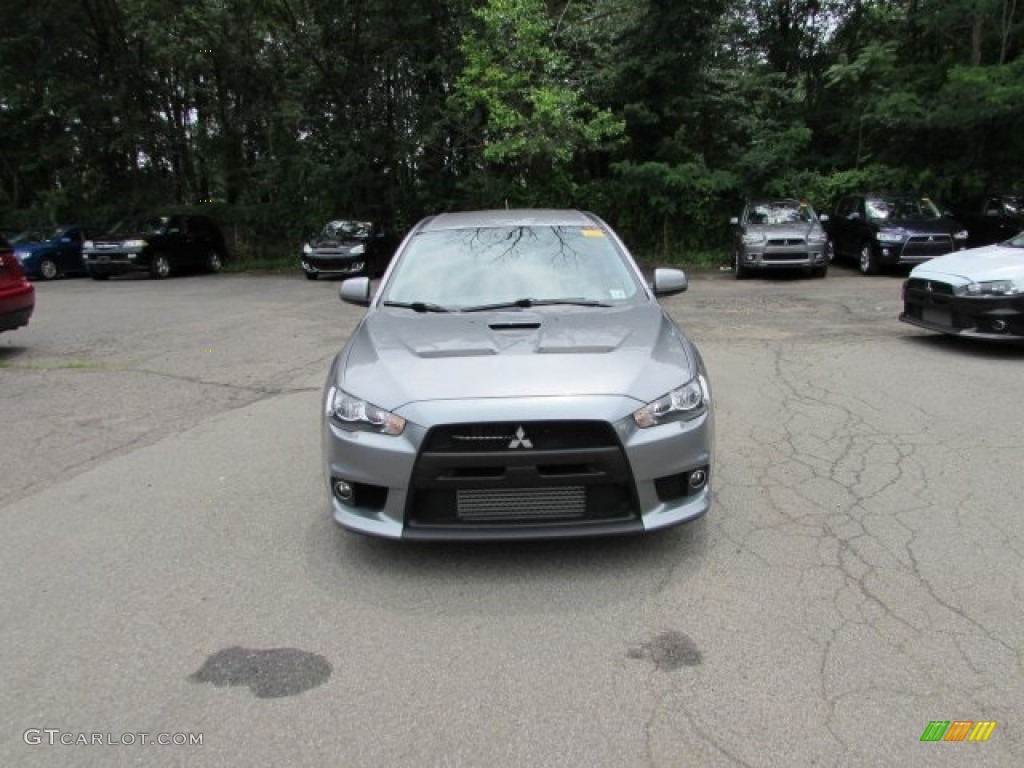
[[780, 212], [901, 208], [39, 235], [357, 230], [471, 268], [133, 225]]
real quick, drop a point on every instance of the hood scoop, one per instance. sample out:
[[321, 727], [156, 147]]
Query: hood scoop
[[523, 325]]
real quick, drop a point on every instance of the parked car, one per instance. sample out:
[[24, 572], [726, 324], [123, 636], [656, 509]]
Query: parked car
[[348, 247], [977, 293], [17, 294], [774, 234], [990, 218], [513, 378], [877, 230], [49, 252], [157, 244]]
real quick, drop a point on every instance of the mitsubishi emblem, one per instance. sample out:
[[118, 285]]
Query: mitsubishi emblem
[[520, 440]]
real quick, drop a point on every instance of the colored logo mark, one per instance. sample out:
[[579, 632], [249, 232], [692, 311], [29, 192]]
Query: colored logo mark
[[958, 730]]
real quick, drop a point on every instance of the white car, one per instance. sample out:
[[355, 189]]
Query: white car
[[977, 293]]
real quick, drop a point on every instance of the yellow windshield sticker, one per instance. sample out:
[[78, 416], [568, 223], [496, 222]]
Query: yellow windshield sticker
[[592, 233]]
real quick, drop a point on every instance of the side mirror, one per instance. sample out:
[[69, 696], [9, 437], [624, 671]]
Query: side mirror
[[355, 290], [668, 282]]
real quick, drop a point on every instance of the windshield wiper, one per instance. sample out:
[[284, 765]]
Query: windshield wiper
[[416, 306], [527, 303]]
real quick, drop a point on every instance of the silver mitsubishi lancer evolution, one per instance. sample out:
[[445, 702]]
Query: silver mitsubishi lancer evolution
[[515, 378]]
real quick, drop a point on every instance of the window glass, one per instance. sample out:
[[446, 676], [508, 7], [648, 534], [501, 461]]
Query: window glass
[[490, 265]]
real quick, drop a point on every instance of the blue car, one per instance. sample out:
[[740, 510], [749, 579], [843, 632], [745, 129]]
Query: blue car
[[49, 252]]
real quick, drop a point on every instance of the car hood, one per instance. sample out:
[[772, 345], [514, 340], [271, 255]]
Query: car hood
[[941, 226], [787, 229], [120, 237], [991, 262], [336, 242], [396, 357]]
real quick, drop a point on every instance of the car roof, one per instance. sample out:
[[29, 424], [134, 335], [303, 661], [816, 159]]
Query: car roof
[[514, 217]]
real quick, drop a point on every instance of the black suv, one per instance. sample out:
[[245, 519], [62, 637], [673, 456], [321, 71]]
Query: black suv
[[348, 247], [157, 244], [883, 229], [990, 218]]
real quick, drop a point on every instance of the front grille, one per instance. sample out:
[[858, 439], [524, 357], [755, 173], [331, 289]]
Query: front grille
[[503, 473], [926, 246], [787, 242], [478, 504], [544, 436]]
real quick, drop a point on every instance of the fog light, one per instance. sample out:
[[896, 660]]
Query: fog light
[[750, 257], [999, 325], [342, 490], [698, 478]]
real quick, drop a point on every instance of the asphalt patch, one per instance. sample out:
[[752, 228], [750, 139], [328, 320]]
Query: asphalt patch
[[270, 674], [669, 650]]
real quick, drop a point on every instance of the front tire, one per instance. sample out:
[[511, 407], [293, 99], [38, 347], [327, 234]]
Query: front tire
[[741, 272], [214, 262], [868, 260], [160, 267], [47, 269]]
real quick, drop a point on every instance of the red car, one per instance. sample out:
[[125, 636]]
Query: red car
[[17, 295]]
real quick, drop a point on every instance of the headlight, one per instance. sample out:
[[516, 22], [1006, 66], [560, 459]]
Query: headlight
[[961, 235], [752, 238], [351, 413], [891, 236], [816, 237], [307, 248], [991, 288], [22, 255], [358, 250], [135, 244], [87, 244], [683, 404]]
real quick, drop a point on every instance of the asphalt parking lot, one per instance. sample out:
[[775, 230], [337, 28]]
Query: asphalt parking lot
[[170, 568]]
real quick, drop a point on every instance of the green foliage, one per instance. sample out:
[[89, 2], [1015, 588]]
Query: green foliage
[[661, 116], [528, 117]]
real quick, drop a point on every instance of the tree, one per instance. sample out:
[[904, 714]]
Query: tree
[[527, 113]]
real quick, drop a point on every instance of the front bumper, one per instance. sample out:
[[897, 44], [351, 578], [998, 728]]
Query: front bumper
[[317, 264], [115, 263], [917, 249], [784, 254], [932, 305], [406, 487]]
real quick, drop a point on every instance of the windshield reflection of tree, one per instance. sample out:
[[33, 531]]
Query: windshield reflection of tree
[[485, 265]]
